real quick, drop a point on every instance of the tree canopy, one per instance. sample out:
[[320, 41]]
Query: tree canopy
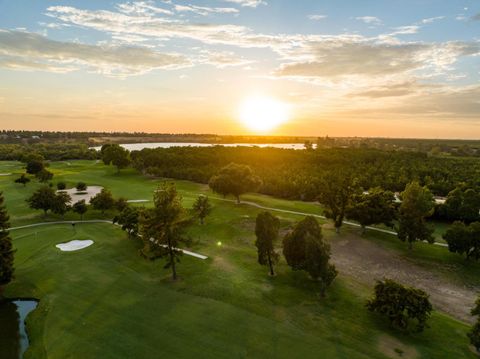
[[43, 198], [6, 247], [202, 207], [400, 304], [417, 205], [235, 180], [464, 239], [304, 249], [116, 155], [267, 227]]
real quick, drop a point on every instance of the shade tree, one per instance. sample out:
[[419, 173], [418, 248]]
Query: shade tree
[[129, 219], [401, 304], [6, 247], [23, 179], [267, 228], [80, 208], [43, 198], [464, 239], [234, 179], [116, 155], [417, 204], [201, 208], [103, 201], [304, 249]]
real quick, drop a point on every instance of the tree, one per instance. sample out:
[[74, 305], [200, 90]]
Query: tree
[[234, 179], [23, 180], [6, 247], [103, 201], [34, 166], [43, 198], [464, 239], [44, 175], [81, 186], [336, 191], [129, 219], [202, 207], [61, 203], [120, 204], [161, 227], [417, 204], [474, 333], [116, 155], [80, 207], [267, 227], [304, 249], [400, 304], [61, 186], [373, 207]]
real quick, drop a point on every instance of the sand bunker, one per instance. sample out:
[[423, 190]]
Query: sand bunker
[[87, 195], [74, 245]]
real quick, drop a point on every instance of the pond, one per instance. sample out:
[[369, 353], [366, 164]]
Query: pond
[[13, 336], [140, 146]]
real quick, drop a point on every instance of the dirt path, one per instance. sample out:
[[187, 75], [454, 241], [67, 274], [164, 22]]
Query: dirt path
[[365, 261]]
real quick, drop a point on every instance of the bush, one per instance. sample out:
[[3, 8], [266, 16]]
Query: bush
[[61, 186], [81, 186]]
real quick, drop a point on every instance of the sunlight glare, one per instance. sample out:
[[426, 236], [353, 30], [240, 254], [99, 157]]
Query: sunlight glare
[[262, 113]]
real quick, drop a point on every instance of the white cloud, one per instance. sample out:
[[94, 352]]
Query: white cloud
[[204, 11], [248, 3], [371, 20], [432, 19], [25, 50], [142, 8], [317, 17]]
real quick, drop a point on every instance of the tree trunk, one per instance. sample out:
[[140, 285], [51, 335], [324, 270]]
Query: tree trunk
[[337, 229], [364, 229], [410, 245], [238, 199], [270, 264], [172, 260], [201, 221]]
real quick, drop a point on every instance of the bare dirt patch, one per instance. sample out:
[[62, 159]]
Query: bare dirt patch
[[394, 348], [366, 261]]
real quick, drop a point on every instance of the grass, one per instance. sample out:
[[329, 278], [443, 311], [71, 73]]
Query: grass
[[106, 301]]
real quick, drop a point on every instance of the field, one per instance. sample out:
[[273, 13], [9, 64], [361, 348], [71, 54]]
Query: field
[[106, 301]]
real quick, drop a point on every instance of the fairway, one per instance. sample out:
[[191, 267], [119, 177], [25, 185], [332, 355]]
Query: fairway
[[106, 301]]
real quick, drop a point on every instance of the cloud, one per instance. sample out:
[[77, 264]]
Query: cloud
[[432, 19], [317, 17], [371, 20], [248, 3], [204, 11], [222, 59], [142, 8], [30, 51], [357, 56]]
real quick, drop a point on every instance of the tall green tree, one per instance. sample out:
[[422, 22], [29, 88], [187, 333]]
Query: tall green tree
[[162, 226], [116, 155], [22, 179], [235, 180], [103, 201], [336, 192], [34, 166], [81, 186], [417, 205], [373, 207], [61, 203], [44, 175], [202, 207], [267, 227], [80, 208], [464, 239], [304, 249], [129, 219], [6, 247], [401, 304], [474, 333], [43, 198]]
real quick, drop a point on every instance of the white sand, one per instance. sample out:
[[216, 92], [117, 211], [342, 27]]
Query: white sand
[[74, 245], [5, 174], [87, 195], [137, 200]]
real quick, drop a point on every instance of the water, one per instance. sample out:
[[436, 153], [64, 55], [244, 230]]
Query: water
[[141, 146], [13, 336]]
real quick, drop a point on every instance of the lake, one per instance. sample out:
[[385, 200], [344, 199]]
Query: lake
[[141, 146], [13, 336]]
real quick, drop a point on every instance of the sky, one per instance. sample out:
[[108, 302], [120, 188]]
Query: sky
[[379, 68]]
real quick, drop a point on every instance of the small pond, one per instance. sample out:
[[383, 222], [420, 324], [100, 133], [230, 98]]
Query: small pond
[[13, 336]]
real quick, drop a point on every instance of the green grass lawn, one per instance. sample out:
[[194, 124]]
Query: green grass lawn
[[106, 301]]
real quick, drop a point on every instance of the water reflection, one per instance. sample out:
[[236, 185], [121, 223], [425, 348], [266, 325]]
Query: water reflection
[[13, 336]]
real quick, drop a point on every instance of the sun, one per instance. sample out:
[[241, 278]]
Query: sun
[[262, 113]]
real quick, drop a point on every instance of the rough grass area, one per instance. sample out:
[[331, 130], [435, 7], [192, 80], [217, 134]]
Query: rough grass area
[[105, 301]]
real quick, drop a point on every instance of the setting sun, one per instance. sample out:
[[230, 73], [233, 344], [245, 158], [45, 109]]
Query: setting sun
[[263, 113]]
